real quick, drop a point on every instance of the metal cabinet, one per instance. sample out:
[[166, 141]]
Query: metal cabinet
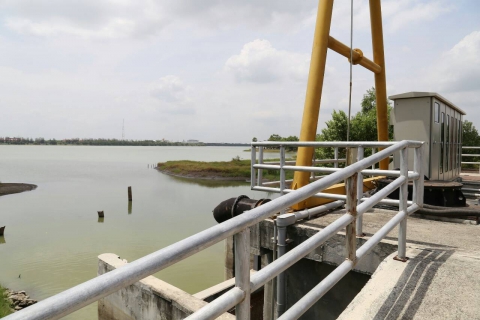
[[429, 117]]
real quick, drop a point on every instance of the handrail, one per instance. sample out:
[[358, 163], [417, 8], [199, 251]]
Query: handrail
[[341, 144], [471, 155], [83, 294]]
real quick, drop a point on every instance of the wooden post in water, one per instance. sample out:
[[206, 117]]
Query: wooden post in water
[[100, 214], [129, 193], [2, 230]]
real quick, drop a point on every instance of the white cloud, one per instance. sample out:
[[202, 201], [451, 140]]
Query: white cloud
[[400, 14], [458, 69], [115, 28], [396, 15], [107, 19], [260, 62], [173, 95]]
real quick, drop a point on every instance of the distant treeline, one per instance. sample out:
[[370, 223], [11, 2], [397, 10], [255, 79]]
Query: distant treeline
[[107, 142]]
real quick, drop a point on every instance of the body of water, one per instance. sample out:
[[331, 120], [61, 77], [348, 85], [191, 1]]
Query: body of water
[[53, 235]]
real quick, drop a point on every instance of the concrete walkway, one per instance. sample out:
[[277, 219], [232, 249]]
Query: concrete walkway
[[441, 279], [432, 284]]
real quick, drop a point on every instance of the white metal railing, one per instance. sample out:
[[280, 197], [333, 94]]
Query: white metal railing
[[239, 297], [471, 155]]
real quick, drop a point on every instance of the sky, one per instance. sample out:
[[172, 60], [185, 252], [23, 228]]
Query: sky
[[214, 70]]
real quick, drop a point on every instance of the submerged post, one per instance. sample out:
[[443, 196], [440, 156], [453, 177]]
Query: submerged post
[[100, 214], [2, 230], [129, 193]]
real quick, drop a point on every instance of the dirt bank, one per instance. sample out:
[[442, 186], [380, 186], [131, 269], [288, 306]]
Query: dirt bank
[[202, 176], [10, 188]]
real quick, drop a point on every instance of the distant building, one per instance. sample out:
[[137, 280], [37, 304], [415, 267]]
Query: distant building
[[12, 140], [193, 141]]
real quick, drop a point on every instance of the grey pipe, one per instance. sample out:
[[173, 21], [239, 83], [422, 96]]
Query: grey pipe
[[451, 212], [282, 243]]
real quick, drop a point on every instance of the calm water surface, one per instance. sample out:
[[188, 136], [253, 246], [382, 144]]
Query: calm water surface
[[53, 236]]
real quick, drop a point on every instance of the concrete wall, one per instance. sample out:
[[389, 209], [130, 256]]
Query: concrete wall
[[149, 298], [331, 252], [308, 272]]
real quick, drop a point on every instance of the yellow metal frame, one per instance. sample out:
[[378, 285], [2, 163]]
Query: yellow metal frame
[[322, 41]]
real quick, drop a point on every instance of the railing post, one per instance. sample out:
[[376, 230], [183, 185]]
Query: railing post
[[351, 206], [242, 272], [417, 196], [360, 156], [335, 165], [260, 161], [252, 170], [373, 152], [282, 173], [312, 174], [402, 228]]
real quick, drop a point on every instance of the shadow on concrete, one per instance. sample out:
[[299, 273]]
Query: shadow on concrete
[[422, 243], [415, 281]]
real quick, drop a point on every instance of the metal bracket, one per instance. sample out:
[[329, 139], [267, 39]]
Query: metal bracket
[[400, 259]]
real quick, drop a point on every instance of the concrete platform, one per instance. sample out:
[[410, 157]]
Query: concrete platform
[[441, 280], [420, 232], [470, 176], [432, 284]]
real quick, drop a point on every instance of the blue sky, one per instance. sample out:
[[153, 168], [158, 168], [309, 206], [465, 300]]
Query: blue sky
[[213, 70]]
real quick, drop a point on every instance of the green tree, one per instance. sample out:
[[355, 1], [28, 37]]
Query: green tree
[[254, 139], [363, 126], [275, 137], [470, 135], [369, 100], [470, 138]]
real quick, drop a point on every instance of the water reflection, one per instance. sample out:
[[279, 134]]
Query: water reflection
[[208, 182], [100, 219], [2, 239], [129, 207]]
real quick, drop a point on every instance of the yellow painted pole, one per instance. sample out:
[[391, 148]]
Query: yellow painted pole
[[357, 55], [314, 90], [380, 77]]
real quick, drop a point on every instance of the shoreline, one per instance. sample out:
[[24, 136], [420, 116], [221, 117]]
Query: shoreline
[[193, 176], [12, 188]]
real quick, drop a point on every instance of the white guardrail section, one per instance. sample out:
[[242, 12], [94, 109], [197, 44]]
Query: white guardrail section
[[83, 294], [471, 155]]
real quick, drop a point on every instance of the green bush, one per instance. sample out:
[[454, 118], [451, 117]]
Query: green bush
[[5, 308]]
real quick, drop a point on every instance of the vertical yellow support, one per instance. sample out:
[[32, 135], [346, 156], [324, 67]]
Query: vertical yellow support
[[380, 77], [314, 90]]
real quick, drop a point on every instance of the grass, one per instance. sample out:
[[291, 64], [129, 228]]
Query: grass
[[270, 151], [5, 308], [235, 169]]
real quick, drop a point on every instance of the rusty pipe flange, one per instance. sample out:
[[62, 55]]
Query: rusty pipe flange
[[235, 206]]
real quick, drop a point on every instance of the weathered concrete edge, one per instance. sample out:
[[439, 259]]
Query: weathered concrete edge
[[421, 288], [218, 288], [151, 285]]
